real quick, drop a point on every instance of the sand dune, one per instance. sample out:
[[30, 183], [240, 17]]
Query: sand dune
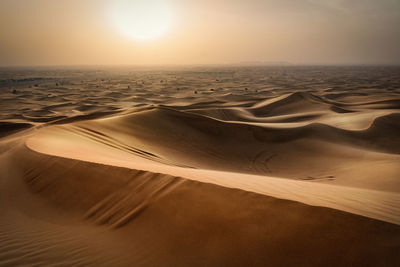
[[179, 138], [60, 210], [234, 166]]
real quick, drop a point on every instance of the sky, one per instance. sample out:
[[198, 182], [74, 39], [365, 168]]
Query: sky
[[102, 32]]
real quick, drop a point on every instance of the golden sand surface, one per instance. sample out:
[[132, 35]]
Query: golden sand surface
[[276, 166]]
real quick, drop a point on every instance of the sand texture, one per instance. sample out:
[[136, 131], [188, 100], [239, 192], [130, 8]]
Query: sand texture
[[200, 166]]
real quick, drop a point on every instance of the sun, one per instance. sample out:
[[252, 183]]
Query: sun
[[141, 20]]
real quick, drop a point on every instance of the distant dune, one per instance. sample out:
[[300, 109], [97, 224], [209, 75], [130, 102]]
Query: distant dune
[[279, 166]]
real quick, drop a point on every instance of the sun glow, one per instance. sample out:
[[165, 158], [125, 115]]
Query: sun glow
[[141, 20]]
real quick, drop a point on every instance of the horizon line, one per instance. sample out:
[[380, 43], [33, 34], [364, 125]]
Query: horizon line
[[237, 64]]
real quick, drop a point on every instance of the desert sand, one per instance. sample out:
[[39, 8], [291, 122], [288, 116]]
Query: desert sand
[[204, 166]]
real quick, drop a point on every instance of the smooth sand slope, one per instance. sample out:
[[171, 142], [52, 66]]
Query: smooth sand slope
[[94, 142], [56, 210]]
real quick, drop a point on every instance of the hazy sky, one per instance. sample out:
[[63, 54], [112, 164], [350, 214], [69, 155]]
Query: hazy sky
[[69, 32]]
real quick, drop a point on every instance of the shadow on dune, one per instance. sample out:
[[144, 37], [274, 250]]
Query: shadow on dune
[[8, 128]]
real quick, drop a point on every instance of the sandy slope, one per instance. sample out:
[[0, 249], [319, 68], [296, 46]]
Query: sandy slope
[[70, 143], [365, 157], [65, 211]]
